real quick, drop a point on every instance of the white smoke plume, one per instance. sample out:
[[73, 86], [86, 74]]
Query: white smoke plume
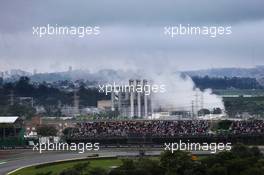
[[182, 94]]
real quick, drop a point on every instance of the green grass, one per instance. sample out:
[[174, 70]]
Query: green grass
[[56, 168]]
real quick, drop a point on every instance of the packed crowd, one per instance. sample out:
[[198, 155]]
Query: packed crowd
[[247, 127], [141, 128], [160, 128]]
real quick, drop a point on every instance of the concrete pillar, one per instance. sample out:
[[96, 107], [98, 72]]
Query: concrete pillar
[[131, 83], [112, 101], [139, 99], [119, 102], [145, 100]]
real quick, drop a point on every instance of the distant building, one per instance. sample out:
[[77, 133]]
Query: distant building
[[28, 101], [40, 109], [37, 120], [104, 104], [171, 115], [60, 125], [70, 69], [90, 111], [70, 111], [31, 127], [35, 71], [10, 126], [160, 115]]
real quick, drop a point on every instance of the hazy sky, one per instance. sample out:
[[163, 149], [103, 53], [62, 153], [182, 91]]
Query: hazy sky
[[131, 34]]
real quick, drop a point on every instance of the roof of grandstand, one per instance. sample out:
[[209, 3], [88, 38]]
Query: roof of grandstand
[[8, 119]]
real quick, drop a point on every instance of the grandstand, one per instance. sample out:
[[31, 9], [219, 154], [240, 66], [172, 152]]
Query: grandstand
[[11, 131], [160, 131]]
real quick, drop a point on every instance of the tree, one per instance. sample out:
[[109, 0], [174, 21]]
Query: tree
[[226, 82], [152, 166], [177, 162], [219, 158], [47, 130], [117, 172], [98, 171], [240, 160], [256, 152], [253, 170], [217, 169], [20, 110], [217, 111], [204, 111], [241, 151], [23, 87], [128, 164]]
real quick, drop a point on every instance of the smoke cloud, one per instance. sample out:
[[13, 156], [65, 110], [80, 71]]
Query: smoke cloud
[[181, 93]]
